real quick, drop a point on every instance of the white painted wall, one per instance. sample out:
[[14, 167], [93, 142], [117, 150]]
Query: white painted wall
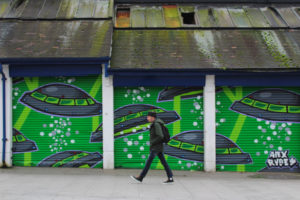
[[108, 121], [209, 124]]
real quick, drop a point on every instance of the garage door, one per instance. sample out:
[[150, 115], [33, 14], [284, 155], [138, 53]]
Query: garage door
[[258, 129], [180, 108], [53, 120]]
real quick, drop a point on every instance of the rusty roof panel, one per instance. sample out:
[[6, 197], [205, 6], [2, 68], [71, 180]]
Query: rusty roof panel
[[239, 17], [122, 19], [34, 39], [171, 15], [256, 18], [154, 17], [32, 9], [85, 9], [138, 18], [206, 49], [50, 9], [289, 16], [222, 17]]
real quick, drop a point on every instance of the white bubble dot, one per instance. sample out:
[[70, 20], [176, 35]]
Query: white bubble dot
[[72, 141], [269, 138], [141, 148], [195, 123], [129, 143], [42, 133], [140, 137], [266, 152], [129, 155], [256, 141], [280, 148]]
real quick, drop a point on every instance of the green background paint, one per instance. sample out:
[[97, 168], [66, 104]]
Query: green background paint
[[132, 151], [252, 135], [71, 133]]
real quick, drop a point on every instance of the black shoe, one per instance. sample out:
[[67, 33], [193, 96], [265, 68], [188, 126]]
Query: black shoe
[[137, 179], [170, 180]]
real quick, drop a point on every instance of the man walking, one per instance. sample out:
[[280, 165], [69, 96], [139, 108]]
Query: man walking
[[156, 148]]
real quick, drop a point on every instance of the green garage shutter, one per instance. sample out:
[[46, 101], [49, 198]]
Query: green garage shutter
[[182, 110], [261, 126], [53, 121]]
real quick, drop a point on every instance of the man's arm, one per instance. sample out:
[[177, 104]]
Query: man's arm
[[159, 134]]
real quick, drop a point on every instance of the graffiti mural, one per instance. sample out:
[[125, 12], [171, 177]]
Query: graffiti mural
[[21, 144], [72, 159], [262, 122], [270, 104], [62, 100], [189, 145], [132, 119], [57, 114], [131, 128]]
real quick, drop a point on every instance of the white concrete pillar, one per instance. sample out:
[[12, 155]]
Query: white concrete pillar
[[8, 102], [8, 118], [209, 124], [108, 121]]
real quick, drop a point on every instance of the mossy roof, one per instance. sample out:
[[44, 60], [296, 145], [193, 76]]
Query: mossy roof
[[55, 28], [206, 49]]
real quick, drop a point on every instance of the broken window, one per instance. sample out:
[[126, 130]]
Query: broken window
[[188, 18]]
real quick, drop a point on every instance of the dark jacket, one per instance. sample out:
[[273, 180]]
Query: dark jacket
[[156, 136]]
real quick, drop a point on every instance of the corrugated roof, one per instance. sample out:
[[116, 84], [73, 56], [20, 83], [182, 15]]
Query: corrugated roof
[[205, 49], [34, 39], [54, 9], [209, 16]]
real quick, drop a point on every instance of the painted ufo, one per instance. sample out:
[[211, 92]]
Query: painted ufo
[[62, 100], [169, 93], [21, 144], [132, 119], [79, 159], [270, 104], [189, 146]]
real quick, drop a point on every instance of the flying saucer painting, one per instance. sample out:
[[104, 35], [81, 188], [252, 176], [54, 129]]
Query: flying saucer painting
[[132, 119], [79, 159], [188, 145], [169, 93], [62, 100], [21, 144], [270, 104]]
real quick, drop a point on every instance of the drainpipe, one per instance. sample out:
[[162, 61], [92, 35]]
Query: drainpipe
[[4, 139]]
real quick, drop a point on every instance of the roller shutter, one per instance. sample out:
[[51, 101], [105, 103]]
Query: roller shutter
[[182, 110], [260, 129], [53, 120]]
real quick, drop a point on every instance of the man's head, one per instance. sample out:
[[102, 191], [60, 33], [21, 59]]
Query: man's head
[[151, 116]]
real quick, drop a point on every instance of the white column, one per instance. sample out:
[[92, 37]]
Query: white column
[[9, 135], [209, 124], [8, 118], [108, 121], [1, 122]]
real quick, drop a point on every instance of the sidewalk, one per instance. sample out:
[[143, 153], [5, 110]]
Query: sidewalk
[[95, 184]]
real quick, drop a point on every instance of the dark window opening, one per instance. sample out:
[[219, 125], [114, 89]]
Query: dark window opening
[[123, 12], [188, 18]]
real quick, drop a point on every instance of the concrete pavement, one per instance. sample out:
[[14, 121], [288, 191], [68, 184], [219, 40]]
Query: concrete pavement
[[94, 184]]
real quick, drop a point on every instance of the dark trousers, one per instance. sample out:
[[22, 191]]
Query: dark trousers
[[162, 160]]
